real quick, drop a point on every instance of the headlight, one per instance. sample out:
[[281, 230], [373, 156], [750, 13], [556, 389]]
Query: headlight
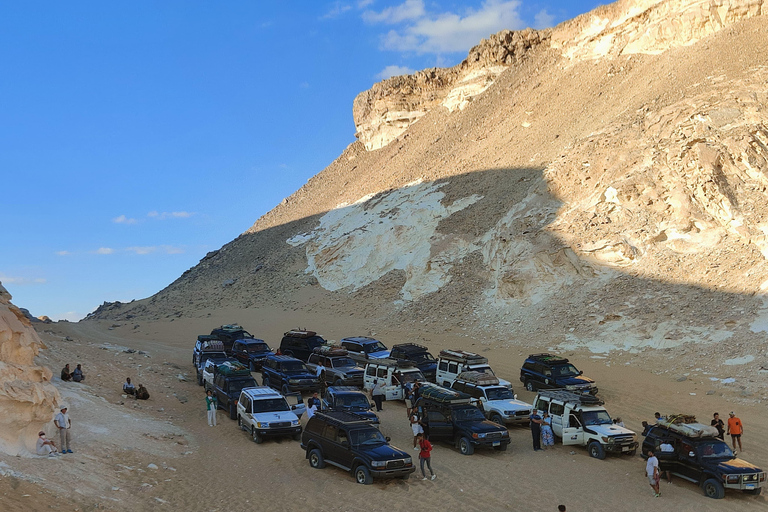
[[509, 413], [378, 463], [481, 436], [732, 479], [504, 433], [293, 381], [408, 460], [295, 422], [608, 440], [260, 424]]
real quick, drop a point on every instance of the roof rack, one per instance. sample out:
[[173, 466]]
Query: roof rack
[[388, 361], [546, 357], [233, 368], [300, 333], [687, 425], [443, 395], [231, 327], [330, 350], [346, 389], [211, 345], [344, 418], [462, 356], [479, 378], [410, 346], [571, 397]]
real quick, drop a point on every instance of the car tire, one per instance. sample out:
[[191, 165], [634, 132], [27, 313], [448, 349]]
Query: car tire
[[496, 418], [256, 437], [529, 385], [754, 492], [466, 447], [362, 475], [596, 450], [232, 411], [265, 381], [316, 459], [338, 382], [713, 489], [501, 448], [240, 422], [284, 390]]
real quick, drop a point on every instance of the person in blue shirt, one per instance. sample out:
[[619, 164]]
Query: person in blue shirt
[[536, 422]]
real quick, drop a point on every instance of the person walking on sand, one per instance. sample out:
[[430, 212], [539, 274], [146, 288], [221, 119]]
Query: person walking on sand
[[547, 436], [536, 429], [652, 472], [63, 423], [425, 456], [211, 404], [735, 429], [719, 425], [377, 393]]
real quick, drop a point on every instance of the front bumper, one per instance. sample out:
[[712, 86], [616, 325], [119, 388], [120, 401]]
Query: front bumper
[[304, 387], [621, 447], [517, 420], [279, 431], [490, 442], [747, 482], [393, 473]]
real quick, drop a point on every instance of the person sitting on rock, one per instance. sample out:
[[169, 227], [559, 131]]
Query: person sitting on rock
[[78, 375], [45, 446], [128, 388], [66, 375], [142, 393]]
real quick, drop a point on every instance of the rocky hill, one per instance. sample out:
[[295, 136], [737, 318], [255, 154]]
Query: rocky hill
[[604, 188]]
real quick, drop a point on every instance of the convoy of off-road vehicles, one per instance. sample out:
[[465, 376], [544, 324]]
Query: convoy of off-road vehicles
[[459, 400]]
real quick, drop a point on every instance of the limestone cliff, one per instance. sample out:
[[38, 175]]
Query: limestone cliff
[[27, 397]]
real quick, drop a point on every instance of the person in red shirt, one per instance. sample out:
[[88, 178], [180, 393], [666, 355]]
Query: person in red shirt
[[425, 455], [735, 429]]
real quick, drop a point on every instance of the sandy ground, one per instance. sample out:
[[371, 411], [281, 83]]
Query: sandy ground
[[211, 469]]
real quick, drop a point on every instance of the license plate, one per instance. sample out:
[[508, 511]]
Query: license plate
[[497, 443], [625, 449], [749, 487]]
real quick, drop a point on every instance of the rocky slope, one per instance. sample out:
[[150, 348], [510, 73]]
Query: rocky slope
[[606, 191]]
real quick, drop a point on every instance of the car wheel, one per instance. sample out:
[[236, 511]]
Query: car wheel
[[338, 383], [362, 475], [256, 437], [501, 448], [713, 489], [466, 447], [284, 390], [265, 381], [496, 418], [754, 492], [596, 450], [529, 385], [240, 422], [316, 459], [232, 411]]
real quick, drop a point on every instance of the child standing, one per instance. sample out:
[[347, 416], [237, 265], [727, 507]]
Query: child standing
[[425, 456], [211, 403]]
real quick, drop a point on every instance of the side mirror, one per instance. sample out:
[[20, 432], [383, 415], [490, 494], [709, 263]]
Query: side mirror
[[387, 439], [581, 372], [691, 455]]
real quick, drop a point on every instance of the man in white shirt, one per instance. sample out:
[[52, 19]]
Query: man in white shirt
[[45, 446], [311, 410], [63, 424], [652, 472]]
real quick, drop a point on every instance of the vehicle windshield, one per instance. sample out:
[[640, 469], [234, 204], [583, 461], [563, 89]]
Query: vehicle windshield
[[566, 370], [424, 357], [374, 347], [715, 450], [257, 347], [500, 393], [239, 385], [483, 369], [370, 437], [411, 377], [294, 367], [342, 362], [357, 401], [468, 414], [216, 358], [596, 418], [270, 405]]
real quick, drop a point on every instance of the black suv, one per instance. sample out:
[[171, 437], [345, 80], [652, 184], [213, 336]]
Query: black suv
[[229, 333], [349, 399], [251, 352], [350, 442], [547, 371], [420, 356], [449, 416], [288, 374], [300, 343], [704, 460], [227, 387]]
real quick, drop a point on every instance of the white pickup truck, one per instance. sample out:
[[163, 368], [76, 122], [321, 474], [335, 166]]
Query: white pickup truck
[[394, 375]]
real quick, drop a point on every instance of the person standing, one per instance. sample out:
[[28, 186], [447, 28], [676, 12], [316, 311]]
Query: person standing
[[536, 422], [45, 446], [652, 472], [719, 425], [425, 456], [735, 429], [418, 430], [211, 404], [547, 436], [78, 375], [378, 394], [63, 423], [311, 409]]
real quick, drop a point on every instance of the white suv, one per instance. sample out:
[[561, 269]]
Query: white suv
[[450, 363], [499, 403], [263, 412]]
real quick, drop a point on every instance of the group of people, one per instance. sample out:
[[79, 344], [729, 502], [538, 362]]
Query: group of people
[[420, 429], [541, 430], [76, 375], [47, 446], [139, 393]]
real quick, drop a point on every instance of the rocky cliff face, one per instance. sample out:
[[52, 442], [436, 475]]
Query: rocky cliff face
[[27, 397]]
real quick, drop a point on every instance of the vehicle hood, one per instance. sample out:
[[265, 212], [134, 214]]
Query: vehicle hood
[[300, 376], [350, 370], [610, 430], [365, 413], [481, 427], [738, 466], [578, 380], [275, 416], [379, 355], [385, 452], [510, 405], [259, 355]]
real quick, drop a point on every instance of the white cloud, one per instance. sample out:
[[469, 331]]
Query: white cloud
[[450, 32], [122, 219], [336, 10], [149, 249], [543, 19], [391, 71], [63, 253], [105, 250], [141, 250], [21, 281], [408, 10], [362, 4], [169, 215]]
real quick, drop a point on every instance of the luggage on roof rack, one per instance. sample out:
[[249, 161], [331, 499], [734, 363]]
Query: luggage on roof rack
[[300, 333], [546, 357], [443, 395], [463, 356], [479, 378], [571, 397], [233, 368], [331, 350], [212, 344], [231, 327], [687, 425]]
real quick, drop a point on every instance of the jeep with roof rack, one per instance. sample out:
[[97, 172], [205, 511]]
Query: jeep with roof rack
[[395, 376], [449, 416], [300, 343], [549, 371], [229, 333], [350, 442], [581, 420], [450, 363], [288, 374], [701, 457], [228, 379], [349, 399], [362, 348], [335, 366], [419, 354], [263, 412], [499, 403]]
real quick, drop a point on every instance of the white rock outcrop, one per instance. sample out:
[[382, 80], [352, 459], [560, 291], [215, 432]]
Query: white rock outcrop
[[27, 397]]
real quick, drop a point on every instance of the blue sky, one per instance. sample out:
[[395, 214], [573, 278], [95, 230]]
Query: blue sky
[[137, 136]]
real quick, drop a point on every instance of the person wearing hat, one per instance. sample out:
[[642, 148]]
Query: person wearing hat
[[45, 446], [63, 424], [735, 429]]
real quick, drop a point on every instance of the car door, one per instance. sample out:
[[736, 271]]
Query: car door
[[556, 413], [440, 426], [687, 460], [393, 389], [572, 430]]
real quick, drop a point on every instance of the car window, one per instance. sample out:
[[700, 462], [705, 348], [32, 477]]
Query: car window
[[436, 416], [542, 404], [371, 370], [443, 366], [330, 432], [381, 373], [596, 418], [500, 393], [342, 362], [458, 386], [314, 359], [556, 409], [270, 405], [341, 436], [370, 437], [453, 368]]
